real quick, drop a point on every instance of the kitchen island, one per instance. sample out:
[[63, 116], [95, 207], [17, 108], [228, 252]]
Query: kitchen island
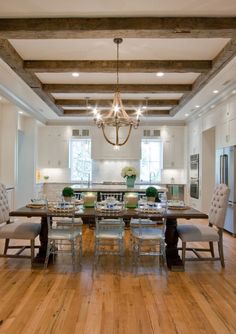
[[53, 190], [118, 190]]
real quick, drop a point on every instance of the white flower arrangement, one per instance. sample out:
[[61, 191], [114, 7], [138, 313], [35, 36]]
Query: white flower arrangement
[[129, 171]]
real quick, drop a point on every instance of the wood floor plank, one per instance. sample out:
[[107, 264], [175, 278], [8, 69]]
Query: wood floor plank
[[113, 299]]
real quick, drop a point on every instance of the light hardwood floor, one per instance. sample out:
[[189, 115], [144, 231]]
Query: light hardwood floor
[[112, 299]]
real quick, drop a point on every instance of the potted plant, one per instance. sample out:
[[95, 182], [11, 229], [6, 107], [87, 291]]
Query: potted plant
[[130, 174], [151, 193], [67, 193]]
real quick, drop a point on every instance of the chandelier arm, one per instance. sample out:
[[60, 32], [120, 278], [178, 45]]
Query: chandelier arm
[[105, 136], [127, 138]]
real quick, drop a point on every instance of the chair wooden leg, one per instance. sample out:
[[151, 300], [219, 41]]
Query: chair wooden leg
[[183, 252], [221, 252], [212, 248], [7, 241], [32, 250]]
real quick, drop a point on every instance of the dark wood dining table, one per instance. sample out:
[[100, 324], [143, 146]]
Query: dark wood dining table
[[174, 262]]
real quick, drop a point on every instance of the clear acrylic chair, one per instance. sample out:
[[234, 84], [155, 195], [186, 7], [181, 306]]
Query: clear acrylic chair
[[109, 237], [117, 195], [64, 232], [147, 239]]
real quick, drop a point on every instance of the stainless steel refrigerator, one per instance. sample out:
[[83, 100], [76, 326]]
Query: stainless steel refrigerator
[[226, 173]]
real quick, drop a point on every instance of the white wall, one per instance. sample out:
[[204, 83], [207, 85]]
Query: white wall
[[27, 142], [8, 141], [223, 119]]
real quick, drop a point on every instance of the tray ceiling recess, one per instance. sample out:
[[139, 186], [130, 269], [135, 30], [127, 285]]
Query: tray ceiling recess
[[189, 51]]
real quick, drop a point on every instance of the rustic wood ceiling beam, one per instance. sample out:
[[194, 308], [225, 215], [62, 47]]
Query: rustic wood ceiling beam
[[86, 113], [126, 88], [125, 66], [12, 59], [129, 27], [220, 61], [107, 103]]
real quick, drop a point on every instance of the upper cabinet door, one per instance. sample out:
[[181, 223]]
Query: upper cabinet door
[[53, 149], [173, 148]]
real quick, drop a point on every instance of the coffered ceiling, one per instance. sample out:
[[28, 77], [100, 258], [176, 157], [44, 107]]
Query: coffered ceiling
[[44, 43]]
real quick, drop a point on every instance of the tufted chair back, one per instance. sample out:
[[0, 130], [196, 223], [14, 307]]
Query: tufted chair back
[[4, 208], [219, 205]]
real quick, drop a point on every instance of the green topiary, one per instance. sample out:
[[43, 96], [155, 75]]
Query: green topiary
[[151, 192], [68, 192]]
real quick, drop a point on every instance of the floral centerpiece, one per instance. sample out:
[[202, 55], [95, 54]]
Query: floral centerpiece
[[130, 174]]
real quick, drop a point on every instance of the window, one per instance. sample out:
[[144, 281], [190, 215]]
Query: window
[[80, 160], [151, 160]]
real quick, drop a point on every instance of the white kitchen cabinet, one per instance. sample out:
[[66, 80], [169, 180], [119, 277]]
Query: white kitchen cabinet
[[222, 135], [232, 132], [226, 134], [102, 150], [53, 150], [173, 148]]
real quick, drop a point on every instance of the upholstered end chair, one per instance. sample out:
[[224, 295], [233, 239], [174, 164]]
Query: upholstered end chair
[[16, 230], [211, 233]]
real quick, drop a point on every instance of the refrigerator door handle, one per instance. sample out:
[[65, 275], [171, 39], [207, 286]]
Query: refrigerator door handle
[[221, 169], [225, 168]]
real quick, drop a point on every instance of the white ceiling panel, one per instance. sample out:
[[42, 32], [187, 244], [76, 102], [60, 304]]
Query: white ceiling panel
[[124, 78], [124, 96], [132, 48], [111, 8]]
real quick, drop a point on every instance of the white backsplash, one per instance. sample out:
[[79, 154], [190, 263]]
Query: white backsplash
[[110, 171]]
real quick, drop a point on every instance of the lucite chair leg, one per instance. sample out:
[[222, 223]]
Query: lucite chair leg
[[183, 252], [73, 253], [80, 249], [47, 255]]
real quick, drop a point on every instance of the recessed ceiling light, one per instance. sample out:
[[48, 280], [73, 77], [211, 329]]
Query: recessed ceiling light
[[197, 106], [215, 91], [160, 74], [20, 112], [213, 106], [75, 74], [186, 115], [199, 115]]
